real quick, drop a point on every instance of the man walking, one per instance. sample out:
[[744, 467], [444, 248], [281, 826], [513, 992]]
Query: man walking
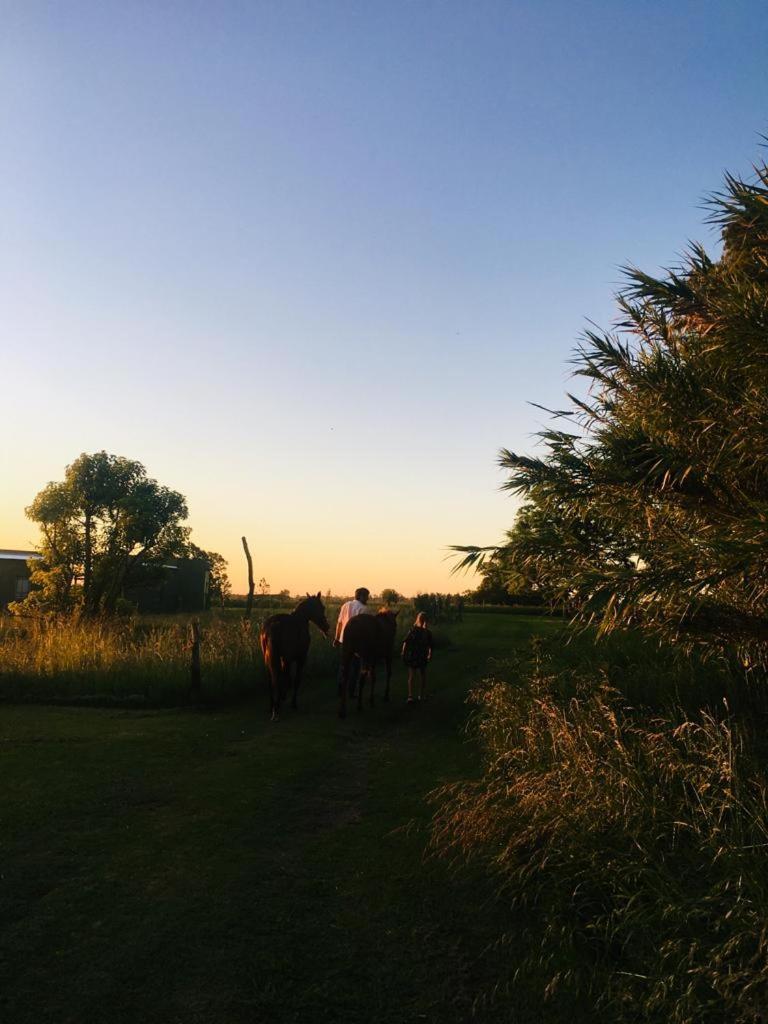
[[357, 606]]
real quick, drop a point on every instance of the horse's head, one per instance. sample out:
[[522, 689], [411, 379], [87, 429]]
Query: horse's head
[[315, 612], [389, 620]]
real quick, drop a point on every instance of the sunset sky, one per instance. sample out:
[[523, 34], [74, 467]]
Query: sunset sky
[[309, 262]]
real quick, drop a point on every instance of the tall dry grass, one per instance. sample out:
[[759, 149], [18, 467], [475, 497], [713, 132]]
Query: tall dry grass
[[134, 660], [633, 843], [145, 659]]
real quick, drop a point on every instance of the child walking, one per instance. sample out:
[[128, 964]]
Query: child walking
[[417, 652]]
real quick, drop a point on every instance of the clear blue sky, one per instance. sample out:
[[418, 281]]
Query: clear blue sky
[[309, 261]]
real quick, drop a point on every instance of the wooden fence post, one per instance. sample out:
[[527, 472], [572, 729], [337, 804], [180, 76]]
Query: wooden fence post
[[249, 602]]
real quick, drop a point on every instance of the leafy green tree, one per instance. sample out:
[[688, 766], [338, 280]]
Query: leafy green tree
[[101, 526], [494, 580], [649, 506], [219, 587], [502, 576], [390, 596]]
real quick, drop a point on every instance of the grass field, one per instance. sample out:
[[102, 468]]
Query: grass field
[[192, 867], [144, 661]]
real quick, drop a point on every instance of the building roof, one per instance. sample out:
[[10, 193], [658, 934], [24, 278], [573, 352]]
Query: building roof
[[18, 556]]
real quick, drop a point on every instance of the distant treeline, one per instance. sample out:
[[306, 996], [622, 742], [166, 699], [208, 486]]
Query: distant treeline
[[280, 600], [437, 607]]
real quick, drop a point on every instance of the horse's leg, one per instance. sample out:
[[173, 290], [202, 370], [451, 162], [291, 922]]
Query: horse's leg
[[372, 699], [388, 664], [362, 676], [285, 678], [283, 682], [273, 672], [354, 675], [343, 677], [296, 681]]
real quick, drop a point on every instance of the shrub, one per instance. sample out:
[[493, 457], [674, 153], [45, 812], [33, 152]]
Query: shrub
[[633, 841]]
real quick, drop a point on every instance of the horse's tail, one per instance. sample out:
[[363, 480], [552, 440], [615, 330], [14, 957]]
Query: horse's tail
[[272, 665], [278, 677], [267, 643]]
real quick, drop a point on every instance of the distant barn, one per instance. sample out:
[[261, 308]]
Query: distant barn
[[14, 574], [178, 585]]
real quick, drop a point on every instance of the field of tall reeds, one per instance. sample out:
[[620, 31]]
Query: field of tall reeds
[[631, 835], [136, 660]]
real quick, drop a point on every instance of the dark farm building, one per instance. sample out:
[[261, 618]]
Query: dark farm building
[[178, 585], [14, 574]]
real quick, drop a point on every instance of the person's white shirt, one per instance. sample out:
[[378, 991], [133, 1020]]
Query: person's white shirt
[[348, 611]]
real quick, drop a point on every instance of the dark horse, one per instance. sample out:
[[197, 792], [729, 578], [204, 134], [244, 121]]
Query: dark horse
[[284, 640], [371, 638]]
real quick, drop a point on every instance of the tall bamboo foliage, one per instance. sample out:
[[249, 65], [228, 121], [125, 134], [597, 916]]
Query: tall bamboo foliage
[[649, 506]]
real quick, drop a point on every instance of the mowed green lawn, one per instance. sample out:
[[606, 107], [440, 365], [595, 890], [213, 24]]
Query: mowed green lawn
[[183, 866]]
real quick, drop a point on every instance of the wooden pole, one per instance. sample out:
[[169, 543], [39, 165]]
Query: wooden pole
[[194, 668], [249, 602]]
